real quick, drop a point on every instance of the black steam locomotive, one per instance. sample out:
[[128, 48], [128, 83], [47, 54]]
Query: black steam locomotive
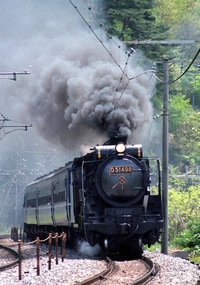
[[104, 197]]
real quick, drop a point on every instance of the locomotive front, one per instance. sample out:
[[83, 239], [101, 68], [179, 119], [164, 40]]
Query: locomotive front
[[116, 208], [121, 179]]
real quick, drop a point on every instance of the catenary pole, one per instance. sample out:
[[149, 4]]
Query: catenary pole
[[165, 156], [165, 143]]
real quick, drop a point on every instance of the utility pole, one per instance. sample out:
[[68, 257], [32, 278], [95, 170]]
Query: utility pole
[[165, 144], [165, 155]]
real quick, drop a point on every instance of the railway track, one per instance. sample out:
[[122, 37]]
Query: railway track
[[153, 270], [102, 275], [8, 257], [5, 236], [116, 271]]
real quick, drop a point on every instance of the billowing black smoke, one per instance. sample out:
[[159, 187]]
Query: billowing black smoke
[[70, 95]]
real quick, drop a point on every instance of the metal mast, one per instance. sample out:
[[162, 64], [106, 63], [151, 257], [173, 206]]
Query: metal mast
[[165, 158], [165, 144]]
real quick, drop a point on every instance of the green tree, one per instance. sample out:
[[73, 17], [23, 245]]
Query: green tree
[[134, 20], [130, 19], [180, 109], [183, 207], [196, 83], [190, 237], [188, 139], [171, 13], [184, 133]]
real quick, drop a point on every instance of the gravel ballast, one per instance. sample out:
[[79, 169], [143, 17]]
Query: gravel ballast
[[79, 265]]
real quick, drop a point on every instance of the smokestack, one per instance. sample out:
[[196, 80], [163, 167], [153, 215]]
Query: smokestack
[[117, 139]]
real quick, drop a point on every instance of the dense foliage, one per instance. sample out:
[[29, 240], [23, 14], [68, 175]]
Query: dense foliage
[[183, 208], [130, 19]]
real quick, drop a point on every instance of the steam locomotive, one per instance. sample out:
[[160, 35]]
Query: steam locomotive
[[103, 197]]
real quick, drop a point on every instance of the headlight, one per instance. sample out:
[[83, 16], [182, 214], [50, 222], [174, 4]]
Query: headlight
[[120, 148]]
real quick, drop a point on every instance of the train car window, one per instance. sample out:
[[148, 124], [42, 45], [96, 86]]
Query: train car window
[[44, 194], [41, 201], [59, 197], [44, 200], [59, 193], [31, 203]]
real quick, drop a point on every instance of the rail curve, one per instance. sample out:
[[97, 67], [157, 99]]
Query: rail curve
[[96, 279], [13, 253], [153, 269], [100, 276]]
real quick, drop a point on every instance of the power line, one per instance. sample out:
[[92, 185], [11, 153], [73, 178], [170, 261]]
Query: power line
[[167, 42], [185, 71], [186, 68], [98, 38], [110, 54], [103, 28]]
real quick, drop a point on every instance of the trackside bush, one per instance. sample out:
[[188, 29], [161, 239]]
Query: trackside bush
[[184, 214], [190, 238]]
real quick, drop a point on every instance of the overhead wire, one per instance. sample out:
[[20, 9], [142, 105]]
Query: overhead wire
[[95, 34], [17, 127], [126, 52], [185, 71], [104, 29], [126, 63], [120, 81], [12, 67], [186, 68], [110, 54], [151, 70], [9, 120]]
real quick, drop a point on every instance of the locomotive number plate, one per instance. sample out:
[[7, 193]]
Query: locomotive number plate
[[120, 169]]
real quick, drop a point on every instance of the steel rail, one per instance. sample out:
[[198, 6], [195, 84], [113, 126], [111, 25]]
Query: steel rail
[[100, 276], [14, 253], [152, 271], [4, 236]]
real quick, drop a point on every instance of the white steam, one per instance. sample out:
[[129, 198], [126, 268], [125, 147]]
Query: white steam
[[85, 248]]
